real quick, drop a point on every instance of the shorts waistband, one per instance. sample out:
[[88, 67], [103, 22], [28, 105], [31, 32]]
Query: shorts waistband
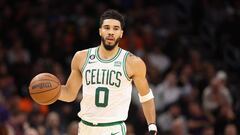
[[101, 124]]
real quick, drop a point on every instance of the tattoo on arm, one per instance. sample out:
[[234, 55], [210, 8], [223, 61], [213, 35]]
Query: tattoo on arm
[[132, 55]]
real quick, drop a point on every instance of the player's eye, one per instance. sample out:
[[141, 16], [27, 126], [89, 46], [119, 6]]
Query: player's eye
[[106, 27], [115, 28]]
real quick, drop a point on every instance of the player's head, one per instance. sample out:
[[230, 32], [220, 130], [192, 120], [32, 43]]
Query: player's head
[[111, 28]]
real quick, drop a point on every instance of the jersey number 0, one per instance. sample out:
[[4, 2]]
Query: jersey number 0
[[101, 97]]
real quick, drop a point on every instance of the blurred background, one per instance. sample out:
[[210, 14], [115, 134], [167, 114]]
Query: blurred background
[[191, 49]]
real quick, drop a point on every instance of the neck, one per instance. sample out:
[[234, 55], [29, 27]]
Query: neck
[[106, 54]]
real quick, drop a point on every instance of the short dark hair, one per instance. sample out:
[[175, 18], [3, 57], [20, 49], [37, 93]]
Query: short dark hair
[[112, 14]]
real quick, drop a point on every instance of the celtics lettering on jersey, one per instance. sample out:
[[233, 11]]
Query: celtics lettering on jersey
[[103, 76]]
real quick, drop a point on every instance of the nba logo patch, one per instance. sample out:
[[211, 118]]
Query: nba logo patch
[[117, 63], [92, 57]]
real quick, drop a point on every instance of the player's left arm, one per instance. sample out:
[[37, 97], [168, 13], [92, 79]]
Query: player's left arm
[[137, 71]]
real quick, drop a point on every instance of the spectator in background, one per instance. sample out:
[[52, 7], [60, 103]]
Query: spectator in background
[[215, 96], [19, 59], [41, 130], [149, 40], [166, 119], [198, 72], [225, 116], [185, 79], [167, 92], [37, 117], [53, 124], [17, 54], [5, 129], [230, 129], [179, 127], [133, 42], [72, 128], [17, 121], [158, 59], [196, 119], [31, 131], [208, 130], [7, 81], [222, 76]]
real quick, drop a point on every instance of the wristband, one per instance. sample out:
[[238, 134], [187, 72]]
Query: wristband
[[146, 97], [152, 127]]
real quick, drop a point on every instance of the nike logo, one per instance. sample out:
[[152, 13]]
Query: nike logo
[[114, 133], [91, 62]]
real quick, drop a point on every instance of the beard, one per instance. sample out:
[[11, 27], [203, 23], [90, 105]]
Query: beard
[[108, 46]]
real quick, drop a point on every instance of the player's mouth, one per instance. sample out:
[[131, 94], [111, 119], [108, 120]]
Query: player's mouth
[[110, 38]]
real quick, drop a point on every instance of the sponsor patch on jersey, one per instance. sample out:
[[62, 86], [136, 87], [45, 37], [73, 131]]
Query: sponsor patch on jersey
[[117, 63], [90, 62]]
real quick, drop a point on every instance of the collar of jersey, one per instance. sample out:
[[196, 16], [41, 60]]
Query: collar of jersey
[[110, 60]]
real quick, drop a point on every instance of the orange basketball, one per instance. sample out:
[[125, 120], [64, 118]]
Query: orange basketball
[[45, 88]]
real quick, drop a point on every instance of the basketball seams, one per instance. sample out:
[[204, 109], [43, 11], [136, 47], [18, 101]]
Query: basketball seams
[[39, 91], [44, 90], [51, 76], [50, 101], [44, 80], [47, 75]]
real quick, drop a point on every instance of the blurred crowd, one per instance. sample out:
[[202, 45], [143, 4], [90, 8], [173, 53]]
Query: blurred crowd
[[190, 48]]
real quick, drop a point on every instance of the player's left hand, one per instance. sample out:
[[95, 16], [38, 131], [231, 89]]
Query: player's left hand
[[152, 132], [152, 128]]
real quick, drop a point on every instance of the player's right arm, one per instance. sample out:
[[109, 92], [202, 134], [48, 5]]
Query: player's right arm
[[70, 90]]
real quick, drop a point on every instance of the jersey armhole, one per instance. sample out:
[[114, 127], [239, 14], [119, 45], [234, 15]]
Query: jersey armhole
[[86, 60], [125, 65]]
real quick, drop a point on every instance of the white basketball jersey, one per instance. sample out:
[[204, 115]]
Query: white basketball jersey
[[106, 88]]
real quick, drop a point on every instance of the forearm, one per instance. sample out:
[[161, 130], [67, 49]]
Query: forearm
[[149, 111], [66, 94], [70, 90]]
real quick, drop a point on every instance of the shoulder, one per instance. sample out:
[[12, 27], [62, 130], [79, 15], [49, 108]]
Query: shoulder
[[134, 60], [79, 58], [135, 65], [81, 54]]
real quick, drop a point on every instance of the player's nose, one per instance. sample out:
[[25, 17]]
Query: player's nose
[[111, 32]]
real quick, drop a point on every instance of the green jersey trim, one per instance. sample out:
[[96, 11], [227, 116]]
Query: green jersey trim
[[86, 60], [123, 129], [110, 60], [124, 66], [101, 124]]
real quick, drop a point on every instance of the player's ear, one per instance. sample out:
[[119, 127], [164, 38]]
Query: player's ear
[[99, 31], [121, 35]]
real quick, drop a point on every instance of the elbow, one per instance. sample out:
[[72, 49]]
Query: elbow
[[71, 99]]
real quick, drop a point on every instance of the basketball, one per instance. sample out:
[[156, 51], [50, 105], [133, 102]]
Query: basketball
[[44, 88]]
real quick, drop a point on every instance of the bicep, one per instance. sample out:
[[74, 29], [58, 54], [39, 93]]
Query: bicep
[[139, 76], [74, 81]]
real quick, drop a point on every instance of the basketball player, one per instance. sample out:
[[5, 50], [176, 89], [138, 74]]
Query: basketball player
[[106, 73]]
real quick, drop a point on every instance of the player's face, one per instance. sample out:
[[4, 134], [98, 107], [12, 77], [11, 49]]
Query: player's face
[[111, 33]]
